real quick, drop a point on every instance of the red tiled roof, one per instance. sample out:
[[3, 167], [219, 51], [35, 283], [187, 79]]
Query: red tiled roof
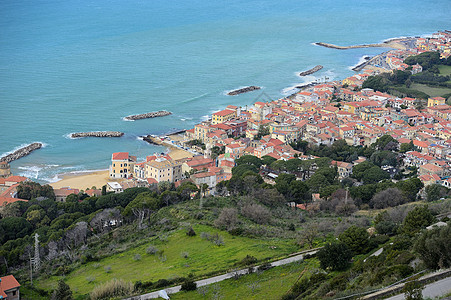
[[7, 200], [224, 112], [15, 178], [7, 283], [120, 156]]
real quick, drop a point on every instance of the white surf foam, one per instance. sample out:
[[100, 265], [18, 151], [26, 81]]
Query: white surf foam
[[361, 61]]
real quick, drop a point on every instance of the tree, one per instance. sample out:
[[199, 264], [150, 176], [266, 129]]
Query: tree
[[388, 198], [374, 175], [268, 160], [14, 227], [356, 238], [434, 247], [142, 206], [383, 141], [249, 160], [255, 212], [334, 256], [405, 147], [62, 292], [433, 192], [360, 170], [413, 290], [417, 219], [227, 218]]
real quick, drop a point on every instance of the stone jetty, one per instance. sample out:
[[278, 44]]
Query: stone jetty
[[24, 151], [149, 115], [96, 134], [243, 90], [311, 71]]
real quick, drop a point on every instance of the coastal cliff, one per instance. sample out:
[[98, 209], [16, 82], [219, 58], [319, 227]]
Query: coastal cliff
[[311, 71], [24, 151], [97, 134], [149, 115], [243, 90]]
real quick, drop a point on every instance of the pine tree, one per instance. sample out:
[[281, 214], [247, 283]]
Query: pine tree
[[62, 292]]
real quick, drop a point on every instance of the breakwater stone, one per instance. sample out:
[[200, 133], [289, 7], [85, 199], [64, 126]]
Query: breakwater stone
[[149, 115], [24, 151], [97, 134], [243, 90]]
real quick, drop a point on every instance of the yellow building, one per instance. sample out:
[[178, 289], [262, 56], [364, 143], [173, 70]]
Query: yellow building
[[222, 116], [201, 130], [436, 101], [122, 165], [162, 169]]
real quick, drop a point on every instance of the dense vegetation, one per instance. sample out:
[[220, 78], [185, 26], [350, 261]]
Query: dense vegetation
[[399, 82], [88, 241]]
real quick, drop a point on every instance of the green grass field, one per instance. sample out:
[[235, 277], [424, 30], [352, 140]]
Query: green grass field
[[203, 257], [444, 70], [431, 91], [270, 284]]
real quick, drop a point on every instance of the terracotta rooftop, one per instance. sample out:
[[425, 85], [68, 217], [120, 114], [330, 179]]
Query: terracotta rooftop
[[7, 283]]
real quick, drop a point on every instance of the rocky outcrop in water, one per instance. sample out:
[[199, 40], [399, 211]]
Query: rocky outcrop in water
[[311, 71], [97, 134], [149, 115], [24, 151], [243, 90]]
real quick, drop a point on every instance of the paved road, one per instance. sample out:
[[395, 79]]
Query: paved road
[[219, 278], [434, 289]]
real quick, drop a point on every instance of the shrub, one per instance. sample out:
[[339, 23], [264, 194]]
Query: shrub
[[188, 285], [137, 257], [151, 250], [161, 283], [256, 213], [190, 232], [114, 288], [227, 218], [265, 266], [248, 260], [90, 279]]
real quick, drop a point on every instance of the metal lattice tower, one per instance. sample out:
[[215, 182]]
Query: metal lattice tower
[[36, 259]]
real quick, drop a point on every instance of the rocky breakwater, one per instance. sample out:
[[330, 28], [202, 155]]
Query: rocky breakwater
[[96, 134], [311, 71], [24, 151], [243, 90], [149, 115]]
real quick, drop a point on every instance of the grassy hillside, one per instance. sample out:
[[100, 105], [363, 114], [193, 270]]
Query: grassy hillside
[[202, 257]]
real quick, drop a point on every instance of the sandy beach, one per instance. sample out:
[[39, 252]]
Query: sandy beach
[[83, 181]]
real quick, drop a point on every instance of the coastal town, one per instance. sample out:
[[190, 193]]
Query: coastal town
[[407, 137], [320, 115]]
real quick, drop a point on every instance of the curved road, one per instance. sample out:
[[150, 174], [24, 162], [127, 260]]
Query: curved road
[[434, 289], [218, 278]]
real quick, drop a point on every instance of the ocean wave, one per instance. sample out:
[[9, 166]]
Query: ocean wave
[[126, 120], [69, 136], [140, 138], [195, 98], [362, 59]]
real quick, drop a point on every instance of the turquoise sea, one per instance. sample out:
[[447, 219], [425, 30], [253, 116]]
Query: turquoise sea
[[69, 66]]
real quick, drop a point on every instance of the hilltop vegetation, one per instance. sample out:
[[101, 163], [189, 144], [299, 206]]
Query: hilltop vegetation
[[161, 236], [403, 83]]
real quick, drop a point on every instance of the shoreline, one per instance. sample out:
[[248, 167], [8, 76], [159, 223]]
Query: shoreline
[[82, 179]]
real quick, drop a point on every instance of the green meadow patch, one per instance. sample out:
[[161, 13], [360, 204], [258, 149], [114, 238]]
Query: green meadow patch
[[177, 256]]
